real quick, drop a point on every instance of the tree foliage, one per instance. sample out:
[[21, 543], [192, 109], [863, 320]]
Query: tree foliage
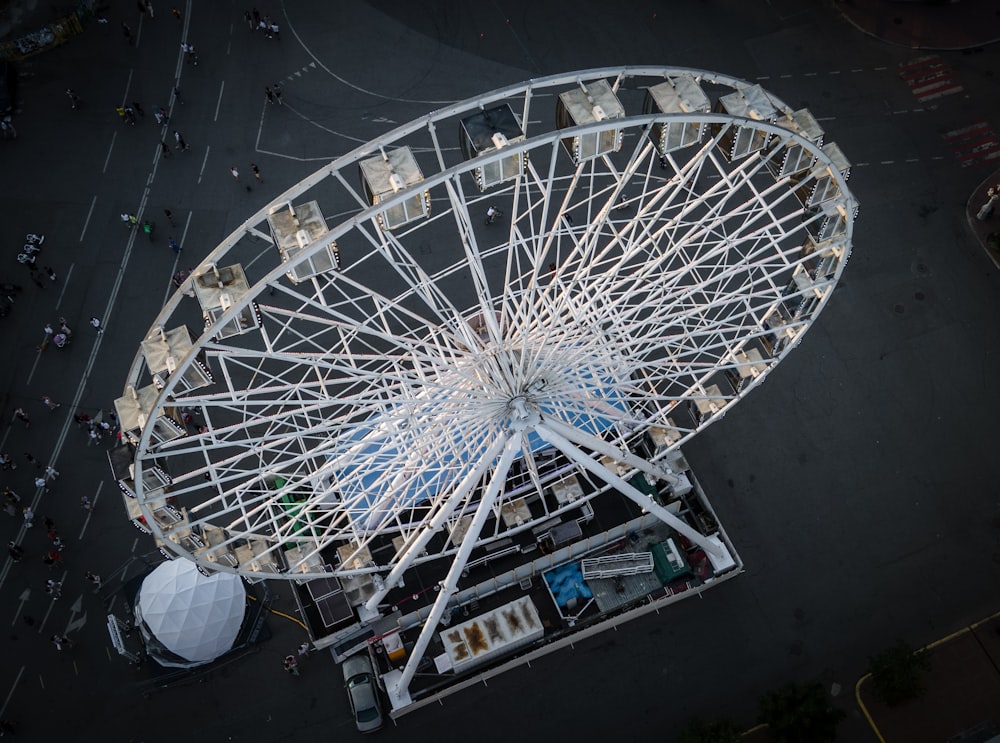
[[800, 713], [898, 674], [716, 730]]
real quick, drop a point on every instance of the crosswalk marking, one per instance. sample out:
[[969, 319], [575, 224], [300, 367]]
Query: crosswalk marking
[[975, 144], [928, 77]]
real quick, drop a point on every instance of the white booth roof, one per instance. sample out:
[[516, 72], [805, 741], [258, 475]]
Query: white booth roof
[[195, 616]]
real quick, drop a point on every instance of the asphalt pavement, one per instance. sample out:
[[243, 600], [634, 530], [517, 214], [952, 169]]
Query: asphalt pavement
[[858, 482]]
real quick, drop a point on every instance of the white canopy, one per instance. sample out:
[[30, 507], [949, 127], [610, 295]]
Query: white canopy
[[194, 616]]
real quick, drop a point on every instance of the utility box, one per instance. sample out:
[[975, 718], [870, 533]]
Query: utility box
[[678, 95], [489, 131], [389, 173], [586, 105], [294, 228]]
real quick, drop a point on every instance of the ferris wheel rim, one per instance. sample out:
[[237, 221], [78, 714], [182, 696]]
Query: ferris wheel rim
[[440, 178]]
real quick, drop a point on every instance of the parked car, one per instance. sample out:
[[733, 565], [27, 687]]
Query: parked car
[[359, 680]]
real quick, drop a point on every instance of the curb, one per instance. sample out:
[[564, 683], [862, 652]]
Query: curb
[[873, 35], [971, 209], [929, 646]]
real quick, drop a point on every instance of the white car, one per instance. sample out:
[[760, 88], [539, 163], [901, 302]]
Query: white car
[[359, 680]]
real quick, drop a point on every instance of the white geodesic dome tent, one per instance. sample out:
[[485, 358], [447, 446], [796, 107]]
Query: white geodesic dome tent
[[195, 617]]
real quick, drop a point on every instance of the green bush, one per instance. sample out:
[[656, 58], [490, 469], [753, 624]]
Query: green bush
[[898, 674], [717, 730], [800, 713]]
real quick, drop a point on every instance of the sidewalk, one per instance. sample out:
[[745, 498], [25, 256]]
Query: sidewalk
[[966, 24], [963, 692], [982, 229]]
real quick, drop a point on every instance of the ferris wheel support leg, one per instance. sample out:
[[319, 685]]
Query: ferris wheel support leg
[[444, 512], [483, 511], [609, 450], [626, 489]]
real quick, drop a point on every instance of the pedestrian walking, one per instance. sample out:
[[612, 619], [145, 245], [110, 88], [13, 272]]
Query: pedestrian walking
[[177, 14], [304, 649], [53, 588], [50, 526], [256, 17], [96, 323], [127, 219], [74, 99], [86, 504], [8, 464], [248, 19], [177, 95], [274, 32], [181, 144], [36, 277], [165, 150], [149, 8], [32, 460], [291, 665], [94, 436], [94, 579], [63, 327], [147, 228], [277, 94], [60, 640], [173, 245], [269, 94], [50, 273], [40, 483], [49, 402], [129, 115], [23, 417], [6, 726], [236, 173], [52, 558], [138, 109], [170, 217], [127, 32], [15, 551], [192, 56], [160, 114], [256, 172], [29, 517]]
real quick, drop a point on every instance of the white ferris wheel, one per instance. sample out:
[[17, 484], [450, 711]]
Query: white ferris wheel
[[366, 376]]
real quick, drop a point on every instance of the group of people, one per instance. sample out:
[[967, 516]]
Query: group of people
[[264, 24]]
